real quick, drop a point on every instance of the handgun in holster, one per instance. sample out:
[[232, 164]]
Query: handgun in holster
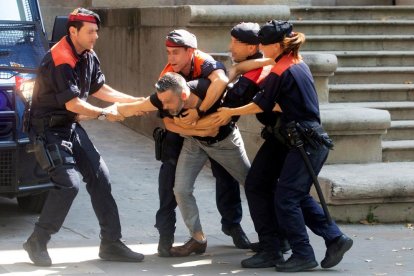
[[47, 155], [159, 135]]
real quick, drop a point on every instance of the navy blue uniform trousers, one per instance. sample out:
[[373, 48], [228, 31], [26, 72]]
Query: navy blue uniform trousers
[[94, 171], [227, 189], [277, 190]]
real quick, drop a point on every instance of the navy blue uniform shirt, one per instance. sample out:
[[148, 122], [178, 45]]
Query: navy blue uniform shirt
[[64, 75], [290, 84]]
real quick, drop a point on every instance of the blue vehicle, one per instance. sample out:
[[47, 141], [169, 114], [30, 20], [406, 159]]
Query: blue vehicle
[[23, 43]]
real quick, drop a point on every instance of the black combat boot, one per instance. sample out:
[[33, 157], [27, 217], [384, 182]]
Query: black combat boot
[[240, 239], [117, 251], [164, 245], [263, 259], [296, 264], [37, 250], [336, 251]]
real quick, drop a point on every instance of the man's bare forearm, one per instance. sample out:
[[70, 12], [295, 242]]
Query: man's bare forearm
[[131, 109], [108, 94]]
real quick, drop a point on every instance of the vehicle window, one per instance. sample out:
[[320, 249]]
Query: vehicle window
[[15, 10]]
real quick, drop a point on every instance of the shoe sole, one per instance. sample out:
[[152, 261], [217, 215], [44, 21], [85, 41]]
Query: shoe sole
[[111, 258], [180, 256], [26, 248], [299, 268], [263, 265], [342, 252]]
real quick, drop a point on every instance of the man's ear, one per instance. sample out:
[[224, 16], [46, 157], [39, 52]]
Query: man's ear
[[184, 95], [190, 50], [72, 30]]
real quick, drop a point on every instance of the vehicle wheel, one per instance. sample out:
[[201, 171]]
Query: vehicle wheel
[[33, 203]]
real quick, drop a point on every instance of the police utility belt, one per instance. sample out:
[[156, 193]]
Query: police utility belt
[[52, 121], [48, 155], [310, 132]]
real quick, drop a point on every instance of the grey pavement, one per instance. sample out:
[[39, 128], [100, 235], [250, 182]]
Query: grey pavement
[[378, 249]]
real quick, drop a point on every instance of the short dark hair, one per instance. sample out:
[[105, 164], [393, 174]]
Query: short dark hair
[[171, 81]]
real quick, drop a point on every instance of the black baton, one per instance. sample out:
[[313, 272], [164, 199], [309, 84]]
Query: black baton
[[298, 143]]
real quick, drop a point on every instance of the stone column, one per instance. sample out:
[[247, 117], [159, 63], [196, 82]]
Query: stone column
[[322, 67]]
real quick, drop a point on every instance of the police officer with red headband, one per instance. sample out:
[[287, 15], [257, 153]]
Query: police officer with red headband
[[68, 74]]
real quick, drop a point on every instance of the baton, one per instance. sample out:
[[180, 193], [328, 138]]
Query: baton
[[298, 143]]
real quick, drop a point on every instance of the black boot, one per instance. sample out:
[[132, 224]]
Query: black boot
[[255, 247], [37, 251], [117, 251], [240, 239], [296, 264], [164, 245], [263, 259], [336, 251]]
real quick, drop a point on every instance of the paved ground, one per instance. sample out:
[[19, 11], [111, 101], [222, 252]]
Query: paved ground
[[378, 249]]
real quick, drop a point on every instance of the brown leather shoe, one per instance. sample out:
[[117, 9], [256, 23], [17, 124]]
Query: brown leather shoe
[[192, 246]]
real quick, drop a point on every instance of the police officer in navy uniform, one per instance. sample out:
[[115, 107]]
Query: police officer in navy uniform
[[68, 74], [289, 87]]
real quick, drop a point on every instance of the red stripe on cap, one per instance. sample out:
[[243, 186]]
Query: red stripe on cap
[[82, 17], [170, 43]]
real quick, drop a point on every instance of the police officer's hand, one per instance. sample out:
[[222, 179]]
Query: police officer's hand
[[112, 114], [190, 117], [222, 116]]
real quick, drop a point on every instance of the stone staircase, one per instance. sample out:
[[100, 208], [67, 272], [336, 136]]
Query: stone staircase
[[375, 50]]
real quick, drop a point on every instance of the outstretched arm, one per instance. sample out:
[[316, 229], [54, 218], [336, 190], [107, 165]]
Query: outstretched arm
[[136, 108], [223, 115], [108, 94]]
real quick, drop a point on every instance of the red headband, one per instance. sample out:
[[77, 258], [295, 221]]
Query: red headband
[[82, 17]]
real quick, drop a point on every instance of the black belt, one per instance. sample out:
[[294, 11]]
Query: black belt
[[40, 124]]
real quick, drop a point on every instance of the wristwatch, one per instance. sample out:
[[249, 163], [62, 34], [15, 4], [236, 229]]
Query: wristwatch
[[200, 112], [102, 116]]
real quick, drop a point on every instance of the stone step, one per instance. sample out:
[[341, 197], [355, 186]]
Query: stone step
[[354, 12], [396, 151], [359, 42], [354, 27], [371, 92], [379, 75], [400, 130], [397, 110], [372, 58], [384, 191], [373, 75]]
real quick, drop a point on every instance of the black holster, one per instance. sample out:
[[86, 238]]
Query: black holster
[[159, 135], [47, 155], [309, 133]]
